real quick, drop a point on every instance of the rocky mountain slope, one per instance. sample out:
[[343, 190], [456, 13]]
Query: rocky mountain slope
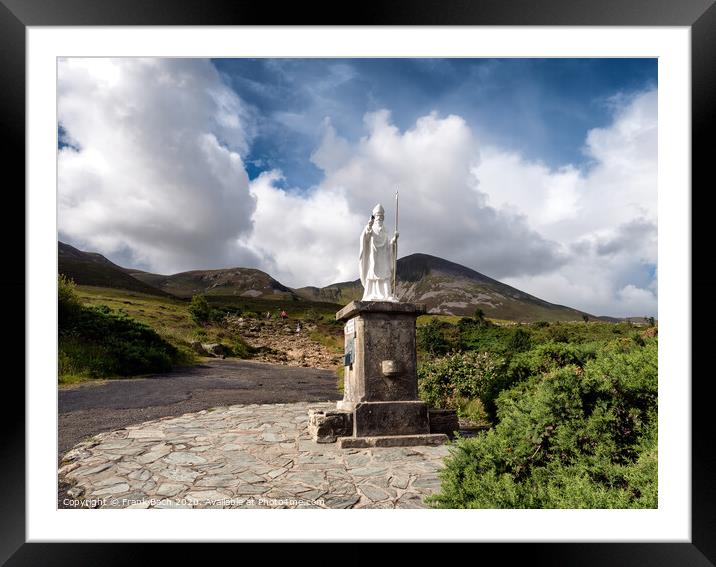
[[341, 293], [278, 342], [447, 287], [444, 286], [451, 289], [243, 282]]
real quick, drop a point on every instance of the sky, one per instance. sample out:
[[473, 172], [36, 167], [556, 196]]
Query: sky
[[541, 173]]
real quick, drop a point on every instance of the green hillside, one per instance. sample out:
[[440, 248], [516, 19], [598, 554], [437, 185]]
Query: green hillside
[[89, 268]]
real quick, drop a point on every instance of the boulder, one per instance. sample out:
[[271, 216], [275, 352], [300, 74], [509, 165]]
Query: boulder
[[198, 348], [215, 349], [326, 426]]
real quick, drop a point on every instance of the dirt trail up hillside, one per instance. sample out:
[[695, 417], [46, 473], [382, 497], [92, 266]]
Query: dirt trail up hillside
[[278, 342]]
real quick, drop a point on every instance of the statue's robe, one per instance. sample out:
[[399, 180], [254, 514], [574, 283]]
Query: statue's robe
[[376, 264]]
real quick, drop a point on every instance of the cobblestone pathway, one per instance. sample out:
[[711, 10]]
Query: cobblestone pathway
[[243, 456]]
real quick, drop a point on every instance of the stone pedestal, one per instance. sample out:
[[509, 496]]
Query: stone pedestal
[[380, 379], [380, 364]]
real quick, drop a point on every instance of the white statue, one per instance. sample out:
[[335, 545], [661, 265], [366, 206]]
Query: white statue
[[377, 259]]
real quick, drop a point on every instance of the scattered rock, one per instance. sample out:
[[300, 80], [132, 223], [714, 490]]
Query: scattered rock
[[274, 341], [215, 349], [198, 348], [326, 426]]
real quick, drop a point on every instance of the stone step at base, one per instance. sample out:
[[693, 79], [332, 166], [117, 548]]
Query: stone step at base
[[392, 441]]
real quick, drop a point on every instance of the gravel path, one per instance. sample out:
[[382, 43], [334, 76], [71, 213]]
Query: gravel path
[[92, 408]]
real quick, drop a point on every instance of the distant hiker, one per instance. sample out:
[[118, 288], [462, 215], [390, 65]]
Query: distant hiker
[[284, 315], [268, 314], [298, 327]]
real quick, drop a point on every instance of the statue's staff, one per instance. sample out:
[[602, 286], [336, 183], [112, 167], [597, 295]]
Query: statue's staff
[[395, 252]]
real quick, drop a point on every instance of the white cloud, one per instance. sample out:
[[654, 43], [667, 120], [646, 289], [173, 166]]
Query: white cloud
[[531, 188], [158, 180], [303, 239], [607, 213], [579, 237], [442, 210]]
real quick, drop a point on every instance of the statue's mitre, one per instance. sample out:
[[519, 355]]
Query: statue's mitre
[[379, 210]]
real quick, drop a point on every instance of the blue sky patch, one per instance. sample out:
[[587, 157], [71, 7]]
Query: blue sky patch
[[542, 108]]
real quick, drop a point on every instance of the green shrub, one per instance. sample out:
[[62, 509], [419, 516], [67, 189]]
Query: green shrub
[[199, 310], [101, 343], [520, 341], [200, 334], [560, 333], [431, 339], [484, 337], [68, 302], [453, 381], [570, 437], [472, 410], [637, 338], [466, 322], [216, 316], [312, 316], [241, 349], [542, 358]]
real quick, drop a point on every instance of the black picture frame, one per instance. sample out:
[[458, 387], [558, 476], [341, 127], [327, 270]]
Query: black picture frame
[[699, 15]]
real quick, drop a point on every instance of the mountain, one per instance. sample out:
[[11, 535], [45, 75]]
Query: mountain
[[449, 288], [90, 268], [444, 286], [242, 282], [341, 293]]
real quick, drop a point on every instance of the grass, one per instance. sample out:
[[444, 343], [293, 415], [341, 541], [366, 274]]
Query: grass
[[303, 310], [425, 319], [96, 342], [169, 317], [69, 377], [340, 382], [151, 308], [454, 319], [330, 341]]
